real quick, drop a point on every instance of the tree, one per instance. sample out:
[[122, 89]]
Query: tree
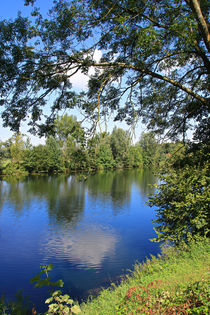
[[155, 52], [17, 148], [1, 154], [38, 159], [104, 156], [55, 158], [68, 127], [182, 199], [44, 158], [99, 152], [120, 145], [149, 147], [71, 137], [135, 156], [4, 150]]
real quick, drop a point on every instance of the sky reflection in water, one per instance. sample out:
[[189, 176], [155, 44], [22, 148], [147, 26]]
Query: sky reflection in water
[[91, 231]]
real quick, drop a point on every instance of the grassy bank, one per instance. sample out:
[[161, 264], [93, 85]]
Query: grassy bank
[[176, 282]]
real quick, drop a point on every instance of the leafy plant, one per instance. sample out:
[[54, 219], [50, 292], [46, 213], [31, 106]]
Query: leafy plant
[[61, 304], [40, 282], [182, 199], [58, 303]]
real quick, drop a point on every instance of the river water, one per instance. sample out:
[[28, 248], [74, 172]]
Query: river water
[[92, 231]]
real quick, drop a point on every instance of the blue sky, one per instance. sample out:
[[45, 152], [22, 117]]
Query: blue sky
[[9, 10]]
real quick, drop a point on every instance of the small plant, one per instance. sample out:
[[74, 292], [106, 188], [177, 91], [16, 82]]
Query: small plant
[[61, 304], [40, 282], [58, 303]]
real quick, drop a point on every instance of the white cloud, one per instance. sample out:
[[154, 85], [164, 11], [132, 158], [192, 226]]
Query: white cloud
[[97, 55], [87, 247], [80, 80]]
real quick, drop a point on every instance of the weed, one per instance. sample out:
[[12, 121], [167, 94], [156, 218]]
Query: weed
[[151, 300]]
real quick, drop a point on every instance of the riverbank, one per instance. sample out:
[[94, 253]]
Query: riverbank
[[174, 282]]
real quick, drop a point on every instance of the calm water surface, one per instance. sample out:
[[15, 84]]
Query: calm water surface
[[92, 231]]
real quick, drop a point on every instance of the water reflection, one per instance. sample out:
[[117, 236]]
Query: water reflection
[[66, 200], [86, 247], [90, 230], [110, 186], [117, 186], [65, 195], [14, 193]]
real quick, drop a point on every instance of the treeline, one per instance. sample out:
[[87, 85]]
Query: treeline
[[68, 149]]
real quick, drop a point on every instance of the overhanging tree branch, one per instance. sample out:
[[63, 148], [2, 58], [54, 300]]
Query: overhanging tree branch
[[196, 8], [154, 75]]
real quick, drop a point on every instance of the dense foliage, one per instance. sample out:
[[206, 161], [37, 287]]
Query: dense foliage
[[155, 54], [68, 149], [183, 198]]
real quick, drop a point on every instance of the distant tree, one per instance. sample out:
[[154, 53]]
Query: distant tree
[[135, 158], [149, 147], [92, 150], [120, 145], [1, 155], [55, 158], [70, 136], [79, 160], [68, 127], [17, 150], [104, 156], [39, 159], [29, 162], [4, 150], [99, 152], [5, 154], [44, 158]]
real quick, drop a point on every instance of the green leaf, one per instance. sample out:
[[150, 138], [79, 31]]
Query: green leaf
[[76, 309], [42, 283], [56, 293], [53, 307], [35, 278], [48, 267], [59, 283], [49, 300]]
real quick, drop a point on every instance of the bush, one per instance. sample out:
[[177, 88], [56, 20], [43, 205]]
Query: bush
[[182, 200]]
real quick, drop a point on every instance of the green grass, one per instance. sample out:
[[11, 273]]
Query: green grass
[[176, 282]]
